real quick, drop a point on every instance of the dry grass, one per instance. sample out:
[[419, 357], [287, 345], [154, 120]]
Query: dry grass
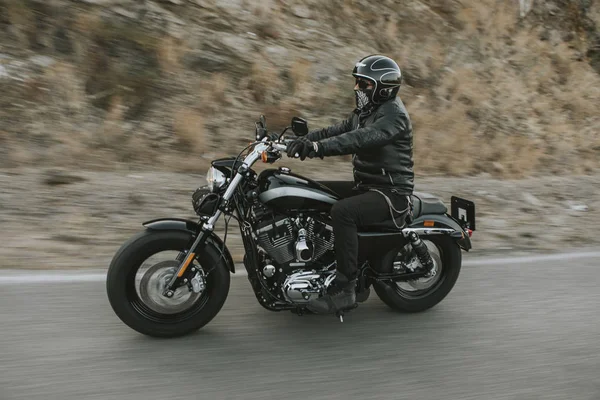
[[443, 143], [22, 17], [279, 116], [188, 126], [512, 114], [169, 51], [212, 92], [85, 25], [186, 162], [453, 145], [300, 74], [123, 60], [65, 87], [111, 133], [268, 17], [485, 93], [263, 82]]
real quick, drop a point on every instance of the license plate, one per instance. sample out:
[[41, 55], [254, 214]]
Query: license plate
[[463, 211]]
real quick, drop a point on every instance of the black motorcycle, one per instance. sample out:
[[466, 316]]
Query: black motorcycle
[[412, 262]]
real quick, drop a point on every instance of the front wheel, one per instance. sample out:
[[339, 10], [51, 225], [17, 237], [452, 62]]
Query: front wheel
[[138, 275], [421, 294]]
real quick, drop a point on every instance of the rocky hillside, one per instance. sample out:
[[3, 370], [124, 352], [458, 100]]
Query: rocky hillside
[[490, 87]]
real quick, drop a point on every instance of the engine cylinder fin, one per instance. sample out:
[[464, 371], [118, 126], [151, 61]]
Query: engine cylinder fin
[[279, 238], [276, 239], [317, 235]]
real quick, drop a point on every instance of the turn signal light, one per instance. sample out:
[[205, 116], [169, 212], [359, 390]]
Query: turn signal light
[[428, 224], [269, 157]]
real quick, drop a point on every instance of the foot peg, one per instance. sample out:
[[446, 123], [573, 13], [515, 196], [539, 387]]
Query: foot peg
[[340, 313]]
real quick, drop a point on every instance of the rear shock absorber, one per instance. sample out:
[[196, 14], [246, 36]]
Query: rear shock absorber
[[421, 250]]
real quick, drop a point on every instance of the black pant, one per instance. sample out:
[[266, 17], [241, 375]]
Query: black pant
[[358, 208]]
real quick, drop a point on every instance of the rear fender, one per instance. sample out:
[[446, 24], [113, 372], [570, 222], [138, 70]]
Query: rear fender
[[444, 221], [179, 224]]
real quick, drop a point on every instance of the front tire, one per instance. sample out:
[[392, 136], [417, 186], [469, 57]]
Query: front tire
[[423, 294], [143, 308]]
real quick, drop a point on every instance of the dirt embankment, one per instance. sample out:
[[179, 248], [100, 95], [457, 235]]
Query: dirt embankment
[[79, 220]]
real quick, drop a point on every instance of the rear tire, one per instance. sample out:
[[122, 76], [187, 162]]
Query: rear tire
[[130, 305], [420, 300]]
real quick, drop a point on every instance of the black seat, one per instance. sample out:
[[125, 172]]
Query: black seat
[[424, 203]]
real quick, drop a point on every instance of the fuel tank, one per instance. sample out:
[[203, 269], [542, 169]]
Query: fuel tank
[[283, 190]]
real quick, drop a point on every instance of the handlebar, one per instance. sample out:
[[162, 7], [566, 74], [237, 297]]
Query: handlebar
[[283, 144], [263, 149], [268, 151], [280, 146]]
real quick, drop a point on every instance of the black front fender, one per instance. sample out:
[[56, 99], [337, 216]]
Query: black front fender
[[179, 224], [444, 221]]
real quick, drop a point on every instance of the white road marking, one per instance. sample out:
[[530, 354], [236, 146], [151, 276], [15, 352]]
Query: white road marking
[[530, 259], [19, 277], [61, 276]]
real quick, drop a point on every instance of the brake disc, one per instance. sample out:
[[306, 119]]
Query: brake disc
[[153, 283]]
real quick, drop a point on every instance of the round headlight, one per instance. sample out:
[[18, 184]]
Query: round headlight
[[215, 178]]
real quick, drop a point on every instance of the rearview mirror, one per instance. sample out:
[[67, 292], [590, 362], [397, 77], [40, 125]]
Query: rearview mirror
[[261, 127], [299, 126]]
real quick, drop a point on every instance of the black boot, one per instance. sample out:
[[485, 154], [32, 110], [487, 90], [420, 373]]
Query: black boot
[[340, 295]]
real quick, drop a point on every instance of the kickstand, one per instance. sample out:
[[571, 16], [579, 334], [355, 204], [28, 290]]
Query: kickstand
[[340, 313]]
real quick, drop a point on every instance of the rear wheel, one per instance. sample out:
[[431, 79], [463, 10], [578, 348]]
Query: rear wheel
[[421, 294], [140, 271]]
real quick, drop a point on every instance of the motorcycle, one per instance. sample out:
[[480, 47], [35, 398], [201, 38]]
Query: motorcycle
[[412, 261]]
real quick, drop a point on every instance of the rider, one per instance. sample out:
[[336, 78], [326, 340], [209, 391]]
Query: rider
[[379, 134]]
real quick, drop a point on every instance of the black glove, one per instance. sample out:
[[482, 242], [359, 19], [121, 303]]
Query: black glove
[[317, 151], [302, 147]]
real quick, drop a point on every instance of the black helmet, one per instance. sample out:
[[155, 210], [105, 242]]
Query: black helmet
[[383, 72]]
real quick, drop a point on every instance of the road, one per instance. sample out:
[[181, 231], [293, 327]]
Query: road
[[511, 329]]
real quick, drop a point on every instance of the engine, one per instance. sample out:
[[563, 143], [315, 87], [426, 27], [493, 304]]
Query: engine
[[297, 256], [300, 287], [288, 240]]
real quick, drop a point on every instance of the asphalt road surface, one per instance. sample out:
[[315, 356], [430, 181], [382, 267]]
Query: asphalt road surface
[[511, 329]]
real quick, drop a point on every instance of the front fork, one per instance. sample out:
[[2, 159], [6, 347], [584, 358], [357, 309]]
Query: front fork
[[205, 231], [180, 277]]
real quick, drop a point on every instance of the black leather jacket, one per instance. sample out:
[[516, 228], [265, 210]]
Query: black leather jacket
[[381, 144]]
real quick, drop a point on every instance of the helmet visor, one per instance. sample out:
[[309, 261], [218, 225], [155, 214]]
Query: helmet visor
[[362, 83]]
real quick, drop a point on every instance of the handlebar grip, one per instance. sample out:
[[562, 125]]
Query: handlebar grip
[[280, 147]]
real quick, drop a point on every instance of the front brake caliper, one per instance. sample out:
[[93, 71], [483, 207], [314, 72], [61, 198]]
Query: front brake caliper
[[198, 282]]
